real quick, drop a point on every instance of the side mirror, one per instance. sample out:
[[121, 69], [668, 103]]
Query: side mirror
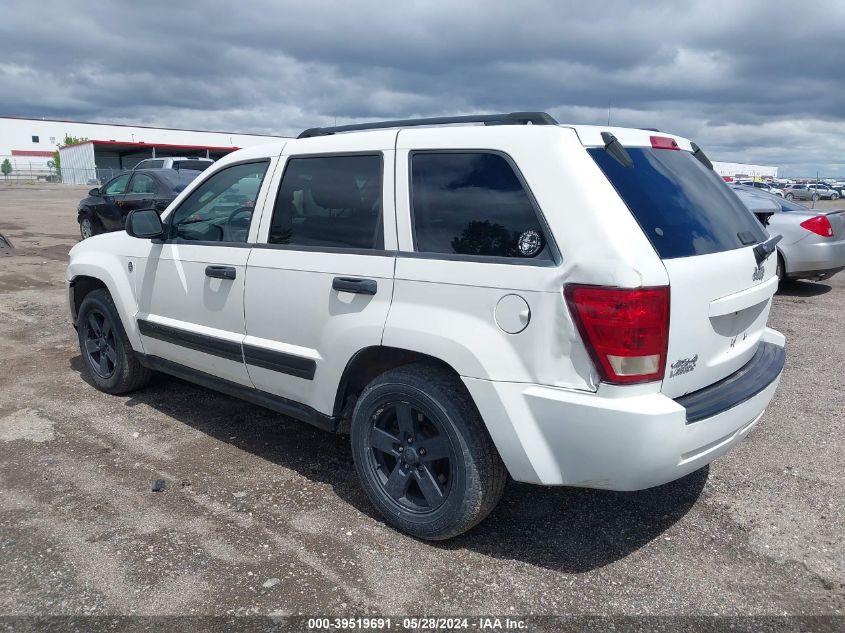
[[145, 224], [95, 192]]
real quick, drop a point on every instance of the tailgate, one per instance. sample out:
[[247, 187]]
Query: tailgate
[[705, 236], [719, 307]]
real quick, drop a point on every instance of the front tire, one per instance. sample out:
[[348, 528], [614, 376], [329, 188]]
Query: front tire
[[834, 196], [789, 196], [106, 351], [87, 227], [815, 197], [423, 454], [780, 270]]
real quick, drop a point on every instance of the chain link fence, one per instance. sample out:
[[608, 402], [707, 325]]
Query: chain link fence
[[31, 172], [27, 171]]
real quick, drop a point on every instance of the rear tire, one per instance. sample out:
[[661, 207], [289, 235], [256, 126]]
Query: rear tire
[[780, 270], [106, 351], [423, 454], [834, 196]]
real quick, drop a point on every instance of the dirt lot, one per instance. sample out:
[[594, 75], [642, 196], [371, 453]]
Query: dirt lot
[[263, 515]]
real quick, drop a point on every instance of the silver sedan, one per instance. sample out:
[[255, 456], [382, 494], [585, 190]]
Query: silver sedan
[[813, 244]]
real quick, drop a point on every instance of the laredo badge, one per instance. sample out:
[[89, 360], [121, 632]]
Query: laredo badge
[[682, 366]]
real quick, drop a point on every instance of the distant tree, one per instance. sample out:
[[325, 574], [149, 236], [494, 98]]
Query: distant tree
[[6, 168], [69, 140]]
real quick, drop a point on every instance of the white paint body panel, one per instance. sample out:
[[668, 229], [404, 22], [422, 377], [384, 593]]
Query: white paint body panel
[[551, 419]]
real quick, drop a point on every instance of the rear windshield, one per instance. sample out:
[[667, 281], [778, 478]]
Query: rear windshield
[[196, 165], [789, 205], [683, 207], [178, 180]]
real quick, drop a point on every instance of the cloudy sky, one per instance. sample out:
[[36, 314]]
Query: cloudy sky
[[749, 81]]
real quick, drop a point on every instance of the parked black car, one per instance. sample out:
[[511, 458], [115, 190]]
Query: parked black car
[[106, 207]]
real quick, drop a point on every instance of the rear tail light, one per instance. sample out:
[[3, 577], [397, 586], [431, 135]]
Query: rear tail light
[[625, 331], [663, 142], [819, 225]]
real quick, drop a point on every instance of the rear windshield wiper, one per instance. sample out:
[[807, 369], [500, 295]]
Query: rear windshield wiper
[[764, 249], [615, 149], [701, 156]]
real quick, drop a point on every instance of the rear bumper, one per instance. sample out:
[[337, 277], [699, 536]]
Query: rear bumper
[[809, 259], [554, 436]]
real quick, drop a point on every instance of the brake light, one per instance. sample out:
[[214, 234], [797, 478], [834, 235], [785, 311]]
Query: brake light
[[819, 225], [625, 331], [663, 142]]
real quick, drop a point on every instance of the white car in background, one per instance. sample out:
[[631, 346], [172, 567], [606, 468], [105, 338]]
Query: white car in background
[[175, 162], [561, 304], [763, 186]]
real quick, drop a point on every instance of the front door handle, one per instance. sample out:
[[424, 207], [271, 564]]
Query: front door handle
[[355, 284], [220, 272]]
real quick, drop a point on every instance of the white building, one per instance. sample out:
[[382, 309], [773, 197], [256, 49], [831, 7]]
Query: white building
[[29, 145], [743, 170]]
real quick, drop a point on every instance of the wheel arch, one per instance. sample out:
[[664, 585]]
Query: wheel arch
[[85, 276], [370, 362]]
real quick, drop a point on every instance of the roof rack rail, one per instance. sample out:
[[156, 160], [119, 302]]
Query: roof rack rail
[[511, 118]]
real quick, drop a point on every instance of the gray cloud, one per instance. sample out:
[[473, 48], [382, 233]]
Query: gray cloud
[[750, 81]]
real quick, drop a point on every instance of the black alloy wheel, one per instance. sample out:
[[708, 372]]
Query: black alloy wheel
[[411, 457], [106, 351], [100, 344], [423, 454]]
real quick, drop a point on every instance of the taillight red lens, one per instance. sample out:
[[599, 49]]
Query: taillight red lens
[[663, 142], [625, 331], [819, 225]]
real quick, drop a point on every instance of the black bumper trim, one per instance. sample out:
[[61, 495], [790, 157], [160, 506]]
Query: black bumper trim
[[745, 383], [192, 340], [280, 362]]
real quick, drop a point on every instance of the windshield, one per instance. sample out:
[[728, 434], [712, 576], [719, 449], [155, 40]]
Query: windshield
[[684, 208]]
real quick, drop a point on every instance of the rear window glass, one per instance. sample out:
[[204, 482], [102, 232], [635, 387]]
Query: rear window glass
[[178, 180], [196, 165], [789, 205], [473, 203], [684, 208]]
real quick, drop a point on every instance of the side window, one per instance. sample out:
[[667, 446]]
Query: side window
[[142, 183], [116, 186], [473, 203], [220, 209], [332, 201], [154, 164]]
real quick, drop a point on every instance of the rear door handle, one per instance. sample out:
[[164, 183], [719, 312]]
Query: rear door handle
[[356, 285], [220, 272]]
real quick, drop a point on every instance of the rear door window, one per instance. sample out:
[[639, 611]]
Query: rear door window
[[142, 183], [684, 208], [330, 201], [473, 203]]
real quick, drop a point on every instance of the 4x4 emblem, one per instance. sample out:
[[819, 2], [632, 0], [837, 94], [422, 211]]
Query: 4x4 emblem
[[683, 366], [759, 273]]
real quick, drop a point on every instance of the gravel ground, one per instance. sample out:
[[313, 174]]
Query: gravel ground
[[262, 515]]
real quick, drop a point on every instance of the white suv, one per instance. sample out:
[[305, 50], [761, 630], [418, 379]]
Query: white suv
[[567, 305], [175, 162]]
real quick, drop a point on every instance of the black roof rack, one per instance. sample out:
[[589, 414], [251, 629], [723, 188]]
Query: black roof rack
[[512, 118]]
